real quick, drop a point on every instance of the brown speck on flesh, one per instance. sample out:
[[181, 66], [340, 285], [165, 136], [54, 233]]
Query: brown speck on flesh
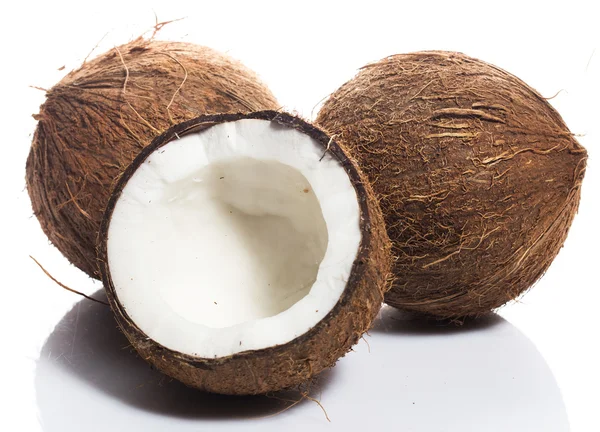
[[306, 190]]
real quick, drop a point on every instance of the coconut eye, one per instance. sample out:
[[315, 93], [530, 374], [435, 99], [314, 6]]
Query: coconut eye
[[235, 246]]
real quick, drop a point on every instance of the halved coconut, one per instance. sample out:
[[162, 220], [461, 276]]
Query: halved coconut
[[243, 254]]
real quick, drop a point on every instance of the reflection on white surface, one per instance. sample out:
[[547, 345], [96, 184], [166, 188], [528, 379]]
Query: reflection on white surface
[[483, 376]]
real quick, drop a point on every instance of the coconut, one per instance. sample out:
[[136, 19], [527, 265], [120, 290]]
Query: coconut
[[97, 118], [243, 253], [477, 175]]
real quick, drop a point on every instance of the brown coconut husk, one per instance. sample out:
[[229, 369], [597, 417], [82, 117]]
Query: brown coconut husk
[[478, 176], [296, 362], [98, 118]]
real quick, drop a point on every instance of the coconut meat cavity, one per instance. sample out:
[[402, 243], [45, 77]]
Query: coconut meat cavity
[[239, 237]]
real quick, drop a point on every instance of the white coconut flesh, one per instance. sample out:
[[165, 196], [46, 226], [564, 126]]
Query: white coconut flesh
[[239, 237]]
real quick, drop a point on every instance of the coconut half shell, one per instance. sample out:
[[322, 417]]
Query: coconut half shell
[[277, 358], [478, 176]]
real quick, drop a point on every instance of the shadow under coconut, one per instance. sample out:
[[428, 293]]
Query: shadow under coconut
[[88, 374], [403, 323], [483, 375]]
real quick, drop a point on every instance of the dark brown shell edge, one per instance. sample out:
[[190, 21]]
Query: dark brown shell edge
[[98, 117], [293, 363], [448, 142]]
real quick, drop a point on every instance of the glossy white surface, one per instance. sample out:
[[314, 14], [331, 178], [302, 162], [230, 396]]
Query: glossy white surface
[[485, 376], [83, 379]]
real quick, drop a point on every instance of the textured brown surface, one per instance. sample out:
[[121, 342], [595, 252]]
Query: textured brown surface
[[96, 120], [291, 364], [477, 175]]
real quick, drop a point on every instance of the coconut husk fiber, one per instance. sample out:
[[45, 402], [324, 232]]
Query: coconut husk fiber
[[98, 118], [478, 177]]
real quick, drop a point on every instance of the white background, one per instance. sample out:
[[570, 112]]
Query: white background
[[527, 371]]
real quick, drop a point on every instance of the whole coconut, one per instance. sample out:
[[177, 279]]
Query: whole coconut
[[478, 176], [97, 118]]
